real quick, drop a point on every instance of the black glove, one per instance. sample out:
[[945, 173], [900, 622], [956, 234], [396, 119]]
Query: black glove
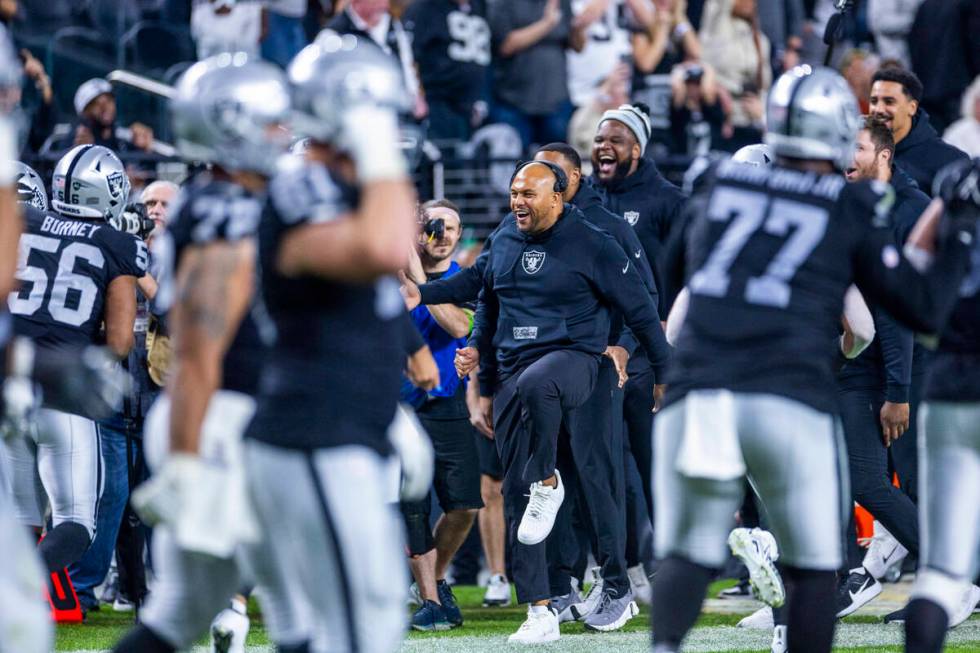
[[134, 220], [958, 186]]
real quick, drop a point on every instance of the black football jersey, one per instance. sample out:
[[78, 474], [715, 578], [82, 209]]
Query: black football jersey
[[333, 374], [65, 267], [205, 211], [954, 374], [768, 259]]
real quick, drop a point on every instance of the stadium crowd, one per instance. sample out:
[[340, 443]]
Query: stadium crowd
[[527, 463]]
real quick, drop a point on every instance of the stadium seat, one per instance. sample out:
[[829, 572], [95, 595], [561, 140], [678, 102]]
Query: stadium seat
[[153, 47], [74, 55]]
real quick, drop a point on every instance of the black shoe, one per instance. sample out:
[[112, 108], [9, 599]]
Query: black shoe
[[738, 591], [449, 605], [430, 616], [897, 617], [859, 588]]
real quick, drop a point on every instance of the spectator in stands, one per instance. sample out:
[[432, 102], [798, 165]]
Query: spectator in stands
[[607, 26], [95, 105], [37, 101], [890, 22], [740, 53], [227, 26], [965, 132], [372, 20], [663, 41], [895, 96], [782, 22], [696, 114], [284, 35], [857, 67], [944, 46], [451, 44], [530, 39], [613, 92], [444, 413]]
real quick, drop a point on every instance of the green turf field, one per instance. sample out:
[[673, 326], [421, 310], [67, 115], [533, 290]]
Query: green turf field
[[486, 630]]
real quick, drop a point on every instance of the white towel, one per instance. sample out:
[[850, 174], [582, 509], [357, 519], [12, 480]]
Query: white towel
[[710, 448]]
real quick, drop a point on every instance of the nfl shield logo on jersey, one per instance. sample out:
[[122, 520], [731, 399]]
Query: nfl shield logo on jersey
[[115, 181], [632, 217], [532, 261]]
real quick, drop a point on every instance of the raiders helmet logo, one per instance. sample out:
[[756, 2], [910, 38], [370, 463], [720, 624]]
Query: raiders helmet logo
[[632, 217], [115, 181], [532, 261]]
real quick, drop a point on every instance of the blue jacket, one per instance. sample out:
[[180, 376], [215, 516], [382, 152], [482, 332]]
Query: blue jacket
[[443, 347]]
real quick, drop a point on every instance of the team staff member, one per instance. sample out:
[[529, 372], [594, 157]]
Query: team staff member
[[632, 187], [874, 390], [551, 284], [919, 150], [444, 414]]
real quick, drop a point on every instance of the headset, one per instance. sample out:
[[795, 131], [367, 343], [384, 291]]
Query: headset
[[561, 179]]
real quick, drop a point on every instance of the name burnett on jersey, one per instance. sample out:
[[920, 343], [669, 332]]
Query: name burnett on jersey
[[58, 227]]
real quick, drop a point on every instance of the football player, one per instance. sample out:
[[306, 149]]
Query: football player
[[335, 229], [77, 278], [949, 446], [228, 111], [771, 257]]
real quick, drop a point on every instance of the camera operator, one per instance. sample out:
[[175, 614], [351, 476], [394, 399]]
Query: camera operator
[[444, 413], [117, 527]]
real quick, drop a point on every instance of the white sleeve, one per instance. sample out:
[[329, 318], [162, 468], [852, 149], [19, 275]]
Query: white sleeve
[[677, 314], [8, 152], [859, 319]]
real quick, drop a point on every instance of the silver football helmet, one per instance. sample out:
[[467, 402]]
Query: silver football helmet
[[30, 187], [89, 182], [335, 73], [758, 155], [812, 114], [231, 109]]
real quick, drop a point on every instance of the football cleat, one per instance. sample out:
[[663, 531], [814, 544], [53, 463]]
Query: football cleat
[[229, 631], [757, 549], [761, 619]]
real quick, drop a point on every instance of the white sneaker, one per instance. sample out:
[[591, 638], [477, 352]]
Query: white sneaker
[[539, 628], [539, 516], [585, 608], [969, 601], [498, 592], [122, 605], [884, 553], [640, 584], [757, 549], [761, 619], [229, 631], [779, 640]]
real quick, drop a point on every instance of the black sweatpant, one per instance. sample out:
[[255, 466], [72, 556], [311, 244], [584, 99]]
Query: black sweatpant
[[867, 459], [592, 463], [528, 410], [637, 411]]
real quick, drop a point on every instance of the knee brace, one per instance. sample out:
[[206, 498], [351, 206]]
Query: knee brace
[[418, 534]]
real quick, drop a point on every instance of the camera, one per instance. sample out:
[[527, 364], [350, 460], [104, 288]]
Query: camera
[[434, 229]]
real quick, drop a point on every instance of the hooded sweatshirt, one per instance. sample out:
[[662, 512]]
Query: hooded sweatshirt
[[922, 153]]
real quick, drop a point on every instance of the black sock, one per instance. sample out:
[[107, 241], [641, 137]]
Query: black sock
[[303, 647], [810, 610], [142, 640], [64, 544], [678, 592], [925, 627]]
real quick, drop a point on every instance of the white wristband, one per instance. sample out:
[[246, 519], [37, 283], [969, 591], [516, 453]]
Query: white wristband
[[371, 137]]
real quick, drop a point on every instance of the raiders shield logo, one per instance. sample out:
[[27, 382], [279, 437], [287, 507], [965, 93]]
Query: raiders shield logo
[[532, 261], [632, 217], [115, 181]]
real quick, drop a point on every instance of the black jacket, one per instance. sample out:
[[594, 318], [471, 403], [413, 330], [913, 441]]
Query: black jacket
[[651, 205], [922, 153], [558, 290]]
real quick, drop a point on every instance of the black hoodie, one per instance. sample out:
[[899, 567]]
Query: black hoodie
[[922, 153], [649, 203]]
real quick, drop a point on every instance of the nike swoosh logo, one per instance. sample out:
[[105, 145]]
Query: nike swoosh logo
[[627, 267], [863, 587], [638, 254]]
